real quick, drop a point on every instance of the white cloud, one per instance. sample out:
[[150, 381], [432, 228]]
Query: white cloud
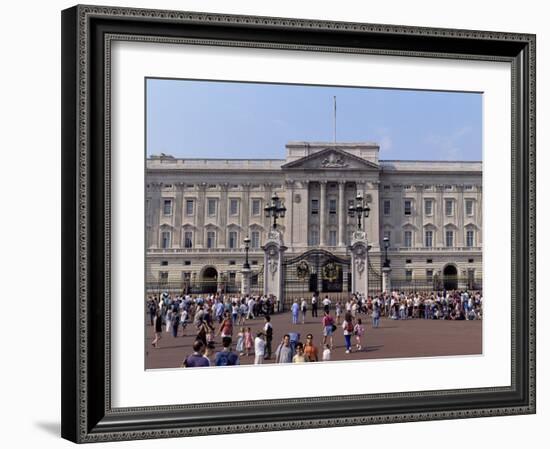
[[449, 146]]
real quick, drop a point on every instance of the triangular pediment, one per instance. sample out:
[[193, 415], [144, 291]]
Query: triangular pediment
[[331, 159]]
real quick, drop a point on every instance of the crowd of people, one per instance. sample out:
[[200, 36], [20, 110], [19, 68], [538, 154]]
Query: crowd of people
[[226, 316]]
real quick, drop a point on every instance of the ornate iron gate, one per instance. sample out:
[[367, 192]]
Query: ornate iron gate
[[375, 280], [316, 270]]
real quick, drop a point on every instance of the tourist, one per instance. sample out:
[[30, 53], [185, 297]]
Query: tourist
[[376, 310], [226, 357], [310, 350], [326, 303], [158, 329], [304, 310], [197, 358], [338, 312], [240, 341], [259, 349], [175, 323], [210, 351], [268, 330], [299, 357], [358, 331], [283, 354], [226, 328], [326, 353], [328, 328], [295, 309], [248, 341], [347, 326], [314, 305]]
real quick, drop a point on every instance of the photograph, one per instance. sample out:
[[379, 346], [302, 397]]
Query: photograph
[[296, 223]]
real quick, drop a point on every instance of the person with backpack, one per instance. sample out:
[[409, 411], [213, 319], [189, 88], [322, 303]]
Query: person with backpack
[[347, 326], [328, 328], [226, 357]]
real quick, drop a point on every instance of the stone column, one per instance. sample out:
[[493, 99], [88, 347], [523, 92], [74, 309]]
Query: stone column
[[343, 214], [178, 215], [155, 215], [323, 213], [386, 280], [359, 263], [289, 212], [200, 215], [273, 266], [222, 241]]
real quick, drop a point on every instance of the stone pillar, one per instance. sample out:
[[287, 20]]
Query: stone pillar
[[386, 280], [222, 240], [200, 215], [342, 215], [289, 203], [359, 263], [177, 215], [273, 266], [155, 208], [245, 281], [323, 214]]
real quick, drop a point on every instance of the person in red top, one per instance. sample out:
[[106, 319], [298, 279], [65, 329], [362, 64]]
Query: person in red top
[[310, 350], [328, 328]]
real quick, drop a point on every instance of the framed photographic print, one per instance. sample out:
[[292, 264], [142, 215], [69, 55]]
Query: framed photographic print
[[333, 223]]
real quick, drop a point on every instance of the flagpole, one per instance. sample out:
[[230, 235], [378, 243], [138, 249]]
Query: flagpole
[[334, 118]]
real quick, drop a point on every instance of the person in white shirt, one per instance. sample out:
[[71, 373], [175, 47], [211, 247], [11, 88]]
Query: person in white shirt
[[326, 353], [259, 349], [326, 303]]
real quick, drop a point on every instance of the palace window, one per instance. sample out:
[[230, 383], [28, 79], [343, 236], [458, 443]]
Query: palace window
[[164, 263], [313, 237], [428, 207], [188, 239], [256, 205], [167, 207], [165, 240], [332, 206], [255, 239], [469, 238], [210, 239], [407, 239], [429, 239], [163, 275], [408, 207], [429, 275], [448, 208], [232, 239], [332, 238], [189, 207], [408, 275], [387, 207], [314, 207], [469, 207], [449, 237], [212, 207], [233, 206]]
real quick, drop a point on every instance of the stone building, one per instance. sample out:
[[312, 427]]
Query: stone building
[[198, 211]]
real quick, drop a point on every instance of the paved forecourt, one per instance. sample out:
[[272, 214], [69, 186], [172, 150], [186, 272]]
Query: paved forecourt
[[394, 338]]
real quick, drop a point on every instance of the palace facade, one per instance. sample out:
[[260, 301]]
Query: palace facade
[[198, 212]]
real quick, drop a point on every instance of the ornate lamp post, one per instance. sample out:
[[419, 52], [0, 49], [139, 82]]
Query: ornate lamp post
[[386, 246], [275, 210], [246, 241], [245, 273], [360, 210]]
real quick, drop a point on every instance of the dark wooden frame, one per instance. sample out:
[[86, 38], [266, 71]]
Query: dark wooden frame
[[87, 32]]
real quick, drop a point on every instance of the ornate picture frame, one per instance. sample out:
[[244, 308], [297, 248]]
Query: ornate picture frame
[[87, 411]]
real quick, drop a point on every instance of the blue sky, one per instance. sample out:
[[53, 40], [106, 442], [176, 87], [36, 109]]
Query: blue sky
[[205, 119]]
